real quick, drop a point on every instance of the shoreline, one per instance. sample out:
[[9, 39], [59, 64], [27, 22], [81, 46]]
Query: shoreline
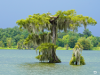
[[59, 48]]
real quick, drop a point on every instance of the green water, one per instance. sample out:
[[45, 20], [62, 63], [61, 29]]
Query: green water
[[23, 62]]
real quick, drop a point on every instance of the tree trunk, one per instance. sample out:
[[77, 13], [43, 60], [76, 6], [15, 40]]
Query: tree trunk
[[25, 47], [67, 47], [54, 34], [22, 46], [54, 58], [76, 63], [85, 26], [28, 45]]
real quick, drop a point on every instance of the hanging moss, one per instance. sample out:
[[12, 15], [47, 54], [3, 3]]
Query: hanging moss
[[45, 51], [73, 60], [76, 56], [38, 39], [82, 61]]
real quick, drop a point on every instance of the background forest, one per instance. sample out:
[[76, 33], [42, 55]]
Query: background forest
[[14, 38]]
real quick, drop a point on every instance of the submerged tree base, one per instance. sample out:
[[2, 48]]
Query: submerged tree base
[[47, 52], [73, 60], [51, 60], [55, 61]]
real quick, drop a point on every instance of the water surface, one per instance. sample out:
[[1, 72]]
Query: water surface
[[23, 62]]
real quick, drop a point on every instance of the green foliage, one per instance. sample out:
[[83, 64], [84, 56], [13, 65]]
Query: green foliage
[[60, 42], [9, 42], [70, 33], [17, 38], [4, 41], [25, 33], [98, 39], [61, 48], [13, 33], [96, 48], [85, 20], [82, 61], [45, 51], [85, 43], [98, 44], [34, 22], [67, 20], [65, 39], [76, 56], [93, 40], [87, 33], [72, 41], [1, 44], [13, 42], [81, 35], [39, 57], [61, 34], [20, 44], [62, 20], [73, 60], [17, 35], [38, 39], [78, 45]]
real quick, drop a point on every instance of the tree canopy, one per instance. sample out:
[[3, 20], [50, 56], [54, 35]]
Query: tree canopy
[[62, 20]]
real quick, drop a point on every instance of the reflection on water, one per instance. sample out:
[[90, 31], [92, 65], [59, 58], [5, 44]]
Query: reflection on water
[[50, 68], [43, 68], [39, 66], [46, 65]]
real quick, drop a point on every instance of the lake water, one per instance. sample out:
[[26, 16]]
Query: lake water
[[23, 62]]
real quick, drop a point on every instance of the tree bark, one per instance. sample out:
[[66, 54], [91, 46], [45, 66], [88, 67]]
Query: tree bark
[[67, 47], [28, 45], [22, 46], [54, 58], [54, 34], [76, 63]]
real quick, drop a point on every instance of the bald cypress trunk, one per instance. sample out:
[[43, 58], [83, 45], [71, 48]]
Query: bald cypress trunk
[[54, 58], [54, 34], [76, 63]]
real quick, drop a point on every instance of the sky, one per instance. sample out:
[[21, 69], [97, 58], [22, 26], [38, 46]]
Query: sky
[[13, 10]]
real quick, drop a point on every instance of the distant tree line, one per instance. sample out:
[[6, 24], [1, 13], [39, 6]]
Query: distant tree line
[[86, 39], [13, 37]]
